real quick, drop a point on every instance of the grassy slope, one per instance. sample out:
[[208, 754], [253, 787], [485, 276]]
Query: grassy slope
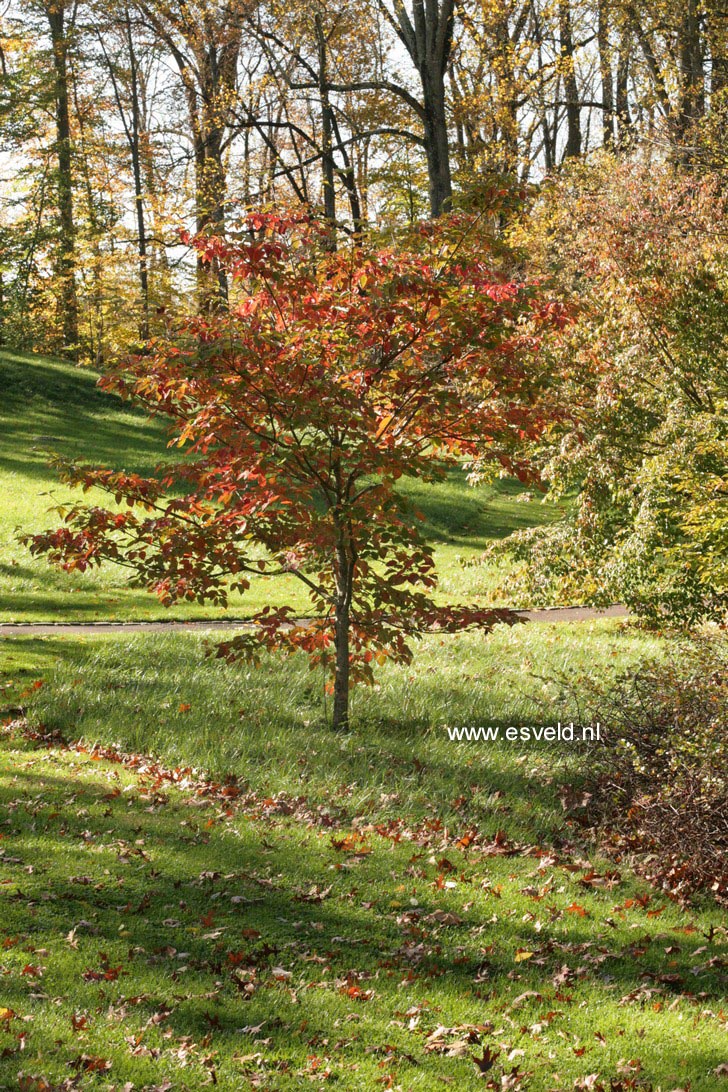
[[195, 904], [215, 917], [46, 405]]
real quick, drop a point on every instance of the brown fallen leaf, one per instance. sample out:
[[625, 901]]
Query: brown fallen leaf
[[90, 1063], [523, 997], [444, 917], [487, 1061]]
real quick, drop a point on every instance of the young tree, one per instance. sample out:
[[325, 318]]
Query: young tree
[[332, 377]]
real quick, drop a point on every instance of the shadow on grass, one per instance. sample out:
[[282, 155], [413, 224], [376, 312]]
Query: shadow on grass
[[268, 726], [456, 512], [146, 881], [49, 406]]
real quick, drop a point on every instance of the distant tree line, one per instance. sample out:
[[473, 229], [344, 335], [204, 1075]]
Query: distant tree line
[[122, 122]]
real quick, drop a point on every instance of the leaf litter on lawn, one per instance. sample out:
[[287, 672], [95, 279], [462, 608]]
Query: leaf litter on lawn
[[164, 930]]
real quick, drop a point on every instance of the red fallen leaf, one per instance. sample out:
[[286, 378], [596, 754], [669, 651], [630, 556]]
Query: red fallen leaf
[[208, 919], [184, 707], [356, 993], [576, 909], [6, 1015], [487, 1061], [32, 971], [230, 791], [237, 957], [107, 972], [639, 900], [351, 843], [79, 1022]]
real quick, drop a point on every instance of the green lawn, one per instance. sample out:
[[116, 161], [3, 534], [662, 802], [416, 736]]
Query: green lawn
[[382, 909], [50, 406], [346, 909]]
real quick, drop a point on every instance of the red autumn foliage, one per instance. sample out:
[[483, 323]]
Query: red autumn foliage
[[331, 377]]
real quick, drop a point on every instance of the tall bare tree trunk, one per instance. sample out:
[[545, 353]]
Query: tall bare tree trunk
[[340, 718], [571, 86], [427, 37], [66, 252], [136, 161], [605, 71], [691, 105], [206, 51], [717, 36], [328, 167], [621, 102], [437, 146], [132, 125]]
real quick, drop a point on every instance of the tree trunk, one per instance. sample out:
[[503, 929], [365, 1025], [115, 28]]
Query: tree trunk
[[548, 134], [605, 69], [571, 87], [717, 35], [437, 146], [340, 719], [208, 73], [213, 197], [66, 261], [691, 105], [93, 269], [624, 118], [210, 195], [507, 96], [328, 168], [344, 577], [347, 176], [427, 37], [135, 147]]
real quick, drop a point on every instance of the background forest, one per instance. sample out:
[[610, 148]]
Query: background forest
[[123, 123]]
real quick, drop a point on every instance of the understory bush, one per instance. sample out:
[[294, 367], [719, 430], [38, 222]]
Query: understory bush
[[640, 462], [659, 787]]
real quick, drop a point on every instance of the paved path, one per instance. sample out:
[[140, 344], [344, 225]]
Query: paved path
[[84, 629]]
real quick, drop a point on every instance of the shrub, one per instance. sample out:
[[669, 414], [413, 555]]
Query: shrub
[[639, 249], [659, 788]]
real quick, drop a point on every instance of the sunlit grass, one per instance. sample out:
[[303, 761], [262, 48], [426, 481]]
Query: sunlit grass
[[243, 943]]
